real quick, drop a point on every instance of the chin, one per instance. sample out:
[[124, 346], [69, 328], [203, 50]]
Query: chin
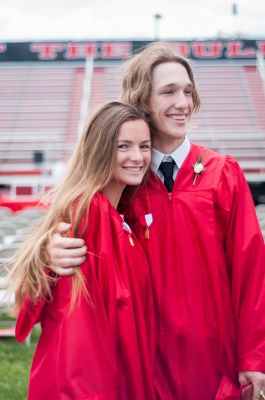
[[177, 137], [135, 182], [181, 133]]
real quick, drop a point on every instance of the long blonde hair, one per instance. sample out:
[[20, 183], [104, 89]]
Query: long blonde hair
[[90, 169], [137, 75]]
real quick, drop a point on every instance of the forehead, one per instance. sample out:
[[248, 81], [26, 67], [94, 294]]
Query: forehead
[[170, 73], [137, 129]]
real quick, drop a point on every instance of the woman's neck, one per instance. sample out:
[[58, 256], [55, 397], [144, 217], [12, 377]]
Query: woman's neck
[[113, 193]]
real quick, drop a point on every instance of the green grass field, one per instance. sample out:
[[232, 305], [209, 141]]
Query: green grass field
[[15, 361]]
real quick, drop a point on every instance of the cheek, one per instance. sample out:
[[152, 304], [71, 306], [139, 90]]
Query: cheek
[[147, 159], [154, 107], [119, 158], [191, 104], [159, 118], [156, 117]]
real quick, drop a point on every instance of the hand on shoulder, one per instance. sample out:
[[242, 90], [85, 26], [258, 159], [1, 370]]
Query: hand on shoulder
[[65, 252]]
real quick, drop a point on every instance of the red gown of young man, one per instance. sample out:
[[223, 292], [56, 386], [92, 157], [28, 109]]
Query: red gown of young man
[[207, 262], [102, 350]]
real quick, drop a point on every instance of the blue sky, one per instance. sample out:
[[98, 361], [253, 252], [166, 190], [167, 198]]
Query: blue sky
[[123, 19]]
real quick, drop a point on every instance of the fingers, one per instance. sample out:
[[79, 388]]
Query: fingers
[[68, 262], [59, 252], [259, 386], [66, 257], [62, 242], [243, 379], [258, 390], [258, 381], [63, 227], [262, 394]]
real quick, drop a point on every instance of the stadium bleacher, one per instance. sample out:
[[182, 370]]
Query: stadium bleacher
[[106, 83], [39, 110], [230, 121], [43, 106], [257, 92], [14, 228]]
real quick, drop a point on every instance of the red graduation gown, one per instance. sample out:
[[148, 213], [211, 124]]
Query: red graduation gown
[[100, 351], [207, 262]]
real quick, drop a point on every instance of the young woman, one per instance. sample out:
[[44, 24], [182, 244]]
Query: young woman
[[96, 340]]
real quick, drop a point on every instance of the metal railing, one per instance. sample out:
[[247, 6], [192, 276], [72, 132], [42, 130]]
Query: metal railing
[[86, 94], [261, 68]]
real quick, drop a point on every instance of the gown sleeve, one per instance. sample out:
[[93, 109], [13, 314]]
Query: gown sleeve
[[245, 255], [29, 315], [76, 355], [85, 348]]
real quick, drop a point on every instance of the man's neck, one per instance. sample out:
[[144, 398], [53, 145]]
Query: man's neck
[[178, 154], [167, 147]]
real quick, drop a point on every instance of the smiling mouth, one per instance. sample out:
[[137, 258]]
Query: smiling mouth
[[134, 169], [178, 117]]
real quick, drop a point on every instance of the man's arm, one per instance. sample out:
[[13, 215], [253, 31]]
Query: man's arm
[[245, 262], [65, 252]]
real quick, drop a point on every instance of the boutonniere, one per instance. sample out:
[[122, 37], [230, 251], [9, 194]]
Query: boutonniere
[[198, 168]]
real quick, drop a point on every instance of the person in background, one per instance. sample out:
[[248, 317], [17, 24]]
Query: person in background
[[204, 246], [97, 326]]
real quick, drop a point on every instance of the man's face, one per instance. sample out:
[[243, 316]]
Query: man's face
[[170, 105]]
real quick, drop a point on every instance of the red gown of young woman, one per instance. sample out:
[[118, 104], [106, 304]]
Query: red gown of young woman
[[102, 350], [207, 262]]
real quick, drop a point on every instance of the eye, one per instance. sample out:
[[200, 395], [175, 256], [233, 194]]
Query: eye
[[168, 91], [188, 91], [122, 146], [145, 147]]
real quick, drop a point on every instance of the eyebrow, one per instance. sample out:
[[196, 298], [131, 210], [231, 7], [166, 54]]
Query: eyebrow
[[130, 141], [168, 85]]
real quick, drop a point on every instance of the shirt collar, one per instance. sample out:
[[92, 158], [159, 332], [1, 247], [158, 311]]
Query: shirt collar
[[179, 155]]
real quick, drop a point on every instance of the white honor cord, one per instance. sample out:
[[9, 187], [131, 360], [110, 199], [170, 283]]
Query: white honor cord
[[148, 219]]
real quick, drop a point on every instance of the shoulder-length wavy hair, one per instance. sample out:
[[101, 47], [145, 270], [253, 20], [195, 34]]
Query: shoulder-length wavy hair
[[137, 75], [89, 171]]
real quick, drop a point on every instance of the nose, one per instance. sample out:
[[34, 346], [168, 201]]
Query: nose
[[136, 154], [181, 100]]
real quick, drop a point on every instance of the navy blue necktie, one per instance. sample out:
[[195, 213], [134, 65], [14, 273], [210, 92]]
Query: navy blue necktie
[[167, 168]]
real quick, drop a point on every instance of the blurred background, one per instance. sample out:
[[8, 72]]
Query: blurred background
[[59, 60]]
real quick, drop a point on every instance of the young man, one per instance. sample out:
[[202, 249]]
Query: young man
[[204, 245]]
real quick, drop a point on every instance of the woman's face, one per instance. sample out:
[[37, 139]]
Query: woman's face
[[170, 104], [133, 153]]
